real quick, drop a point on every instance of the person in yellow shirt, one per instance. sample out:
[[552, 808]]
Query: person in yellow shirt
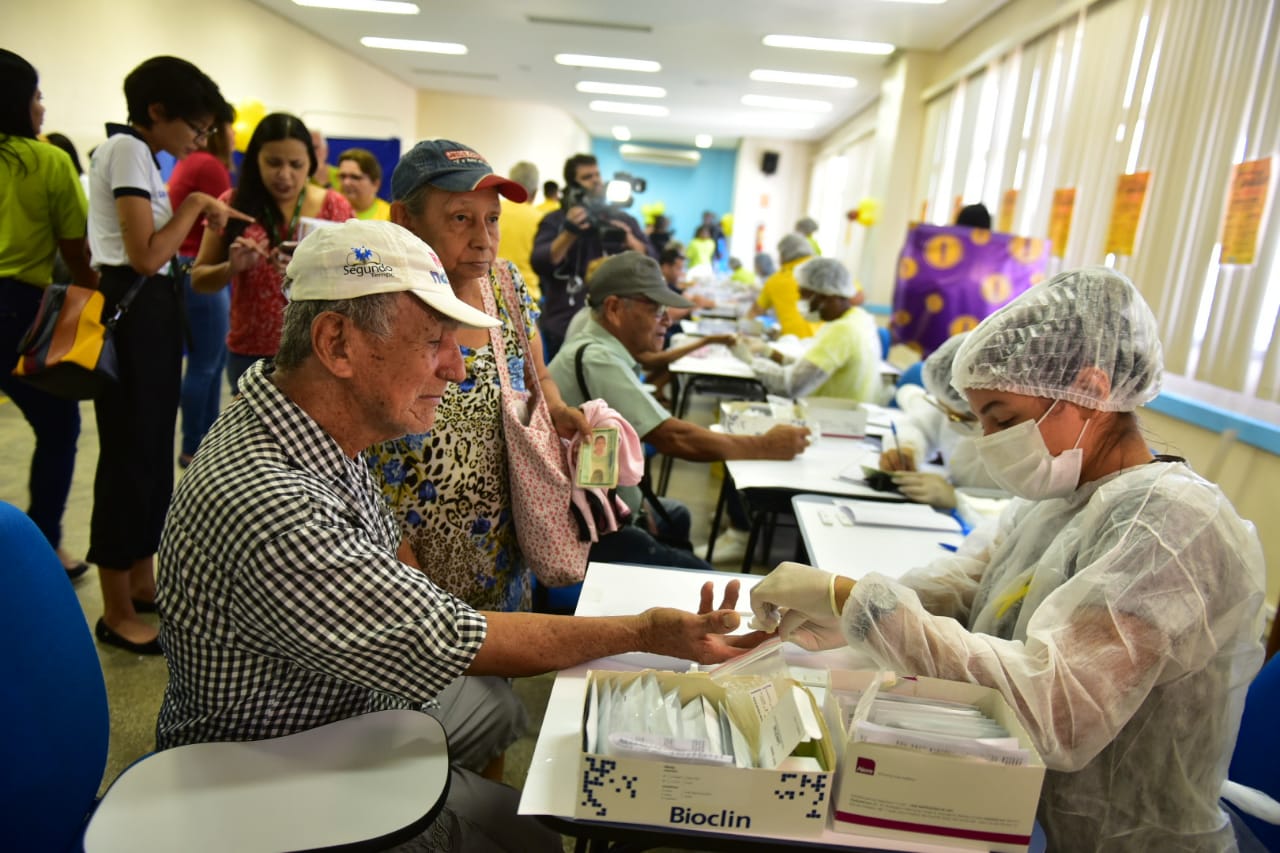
[[359, 176], [781, 290], [550, 197], [519, 224]]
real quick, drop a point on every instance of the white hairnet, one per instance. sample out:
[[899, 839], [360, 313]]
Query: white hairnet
[[936, 374], [1040, 342], [793, 246], [826, 275]]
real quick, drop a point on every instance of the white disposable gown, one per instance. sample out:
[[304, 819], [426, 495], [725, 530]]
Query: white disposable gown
[[1122, 624]]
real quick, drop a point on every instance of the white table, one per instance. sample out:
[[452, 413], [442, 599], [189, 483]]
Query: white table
[[377, 777], [856, 550], [552, 784]]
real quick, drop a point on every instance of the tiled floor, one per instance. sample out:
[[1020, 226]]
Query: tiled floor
[[135, 683]]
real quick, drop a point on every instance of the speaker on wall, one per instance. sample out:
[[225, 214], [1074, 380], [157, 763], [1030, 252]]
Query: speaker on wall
[[769, 162]]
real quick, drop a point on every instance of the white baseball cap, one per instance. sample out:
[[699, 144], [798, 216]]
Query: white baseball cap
[[364, 257]]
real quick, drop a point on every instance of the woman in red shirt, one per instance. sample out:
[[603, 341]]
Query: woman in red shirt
[[209, 171], [274, 190]]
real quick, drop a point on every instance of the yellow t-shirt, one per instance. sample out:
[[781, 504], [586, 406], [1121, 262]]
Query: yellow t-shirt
[[548, 205], [379, 210], [517, 226], [782, 293], [700, 251], [38, 207], [848, 351]]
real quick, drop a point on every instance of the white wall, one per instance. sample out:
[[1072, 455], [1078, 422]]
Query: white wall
[[775, 201], [504, 131], [83, 50]]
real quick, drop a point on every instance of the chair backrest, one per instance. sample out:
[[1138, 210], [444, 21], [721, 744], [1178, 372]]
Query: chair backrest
[[54, 708], [1258, 747], [886, 340]]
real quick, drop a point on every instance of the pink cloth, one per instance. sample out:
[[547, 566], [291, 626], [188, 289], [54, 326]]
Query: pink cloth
[[601, 511]]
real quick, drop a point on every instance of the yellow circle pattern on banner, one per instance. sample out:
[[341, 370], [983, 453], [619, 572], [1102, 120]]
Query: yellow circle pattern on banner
[[1026, 249], [1037, 277], [963, 323], [902, 318], [980, 236], [943, 252], [934, 303], [996, 288], [907, 268]]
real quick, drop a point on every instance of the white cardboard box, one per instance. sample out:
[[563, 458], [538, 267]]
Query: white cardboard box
[[836, 416], [903, 793], [739, 801]]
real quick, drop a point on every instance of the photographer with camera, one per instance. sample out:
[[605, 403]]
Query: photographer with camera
[[585, 227]]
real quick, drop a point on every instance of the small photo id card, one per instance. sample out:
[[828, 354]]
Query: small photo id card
[[598, 460]]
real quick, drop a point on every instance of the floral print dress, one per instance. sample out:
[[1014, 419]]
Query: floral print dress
[[448, 487]]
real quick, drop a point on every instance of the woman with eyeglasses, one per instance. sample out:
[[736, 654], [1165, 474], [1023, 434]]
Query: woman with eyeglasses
[[936, 420], [134, 234], [1117, 603], [274, 190]]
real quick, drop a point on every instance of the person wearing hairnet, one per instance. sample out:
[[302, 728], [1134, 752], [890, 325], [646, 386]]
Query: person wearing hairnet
[[1117, 605], [936, 419], [844, 360]]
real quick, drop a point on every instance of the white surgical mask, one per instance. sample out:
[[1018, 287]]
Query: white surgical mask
[[1021, 464]]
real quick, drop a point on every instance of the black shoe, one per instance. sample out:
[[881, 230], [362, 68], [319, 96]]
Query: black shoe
[[111, 638], [143, 606], [77, 570]]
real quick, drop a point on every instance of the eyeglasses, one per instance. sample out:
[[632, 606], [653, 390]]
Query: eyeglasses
[[659, 311], [952, 415], [200, 132]]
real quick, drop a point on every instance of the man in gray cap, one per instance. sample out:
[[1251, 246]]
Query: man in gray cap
[[628, 299], [286, 605]]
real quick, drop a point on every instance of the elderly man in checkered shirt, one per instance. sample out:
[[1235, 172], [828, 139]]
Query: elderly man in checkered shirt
[[286, 603]]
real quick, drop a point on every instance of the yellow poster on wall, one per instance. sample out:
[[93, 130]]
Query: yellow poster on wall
[[1064, 205], [1126, 213], [1249, 184], [1008, 204]]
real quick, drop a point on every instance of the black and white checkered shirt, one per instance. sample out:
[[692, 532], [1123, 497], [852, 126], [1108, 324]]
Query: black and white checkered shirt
[[284, 605]]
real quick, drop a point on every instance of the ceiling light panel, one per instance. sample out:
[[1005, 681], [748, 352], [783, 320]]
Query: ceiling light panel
[[797, 78], [414, 45], [623, 108], [381, 7], [702, 140], [625, 90], [620, 133], [775, 103], [615, 63], [874, 48]]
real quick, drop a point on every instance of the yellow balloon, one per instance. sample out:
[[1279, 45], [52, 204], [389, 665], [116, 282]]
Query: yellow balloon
[[248, 113], [868, 211], [726, 224]]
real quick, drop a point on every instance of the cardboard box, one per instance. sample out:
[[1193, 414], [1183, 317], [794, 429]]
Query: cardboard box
[[904, 793], [732, 800]]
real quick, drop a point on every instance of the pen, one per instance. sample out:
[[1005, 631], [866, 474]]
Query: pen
[[898, 447], [952, 548]]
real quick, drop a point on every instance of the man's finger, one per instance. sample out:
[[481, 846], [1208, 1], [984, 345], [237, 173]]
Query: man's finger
[[705, 596], [730, 599]]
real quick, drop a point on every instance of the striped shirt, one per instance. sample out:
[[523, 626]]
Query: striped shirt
[[284, 605]]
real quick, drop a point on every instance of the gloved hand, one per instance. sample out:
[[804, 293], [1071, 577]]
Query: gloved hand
[[792, 595], [893, 460], [931, 489]]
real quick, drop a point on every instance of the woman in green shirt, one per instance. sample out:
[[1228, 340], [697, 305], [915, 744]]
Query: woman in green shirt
[[42, 210]]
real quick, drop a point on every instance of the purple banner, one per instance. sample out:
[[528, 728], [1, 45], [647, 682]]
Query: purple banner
[[950, 277]]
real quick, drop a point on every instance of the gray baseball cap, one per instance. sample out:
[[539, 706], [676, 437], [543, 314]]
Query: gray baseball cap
[[632, 274]]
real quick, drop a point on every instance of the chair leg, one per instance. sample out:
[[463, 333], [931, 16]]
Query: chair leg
[[725, 485]]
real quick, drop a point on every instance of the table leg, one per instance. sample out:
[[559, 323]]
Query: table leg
[[726, 483]]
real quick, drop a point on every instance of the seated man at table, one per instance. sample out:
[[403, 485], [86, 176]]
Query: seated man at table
[[844, 360], [628, 299], [781, 291], [285, 602]]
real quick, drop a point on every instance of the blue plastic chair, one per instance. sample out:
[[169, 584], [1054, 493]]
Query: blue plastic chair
[[1257, 750], [885, 341], [55, 703]]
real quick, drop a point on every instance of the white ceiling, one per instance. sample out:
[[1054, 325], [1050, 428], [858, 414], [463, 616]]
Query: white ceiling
[[707, 49]]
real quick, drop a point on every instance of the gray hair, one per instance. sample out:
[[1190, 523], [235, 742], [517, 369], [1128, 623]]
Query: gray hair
[[416, 202], [525, 174], [373, 314]]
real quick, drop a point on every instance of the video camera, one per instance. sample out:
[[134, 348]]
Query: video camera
[[618, 195]]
